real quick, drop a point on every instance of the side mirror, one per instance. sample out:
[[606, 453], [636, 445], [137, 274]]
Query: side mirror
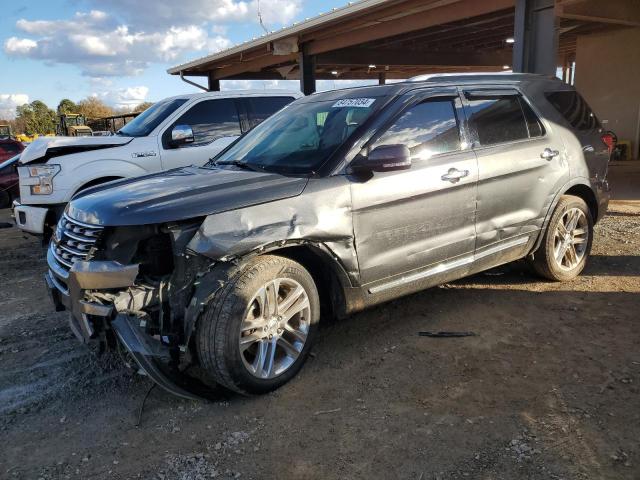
[[181, 135], [385, 158]]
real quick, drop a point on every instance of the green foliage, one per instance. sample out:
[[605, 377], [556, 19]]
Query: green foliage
[[67, 106], [36, 118]]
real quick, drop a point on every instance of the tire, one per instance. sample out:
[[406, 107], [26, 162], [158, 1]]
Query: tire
[[5, 199], [548, 261], [241, 312]]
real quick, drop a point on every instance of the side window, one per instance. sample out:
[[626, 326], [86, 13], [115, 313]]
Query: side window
[[261, 108], [574, 109], [212, 119], [498, 119], [428, 128]]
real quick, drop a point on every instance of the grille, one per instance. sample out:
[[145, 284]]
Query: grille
[[74, 241]]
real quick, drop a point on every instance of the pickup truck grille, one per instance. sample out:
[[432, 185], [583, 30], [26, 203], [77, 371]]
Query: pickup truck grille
[[74, 241]]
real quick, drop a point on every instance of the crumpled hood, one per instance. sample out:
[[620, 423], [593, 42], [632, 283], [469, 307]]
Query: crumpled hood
[[44, 148], [180, 194]]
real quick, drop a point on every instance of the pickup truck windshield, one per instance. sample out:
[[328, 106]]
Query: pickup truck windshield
[[143, 124], [301, 137]]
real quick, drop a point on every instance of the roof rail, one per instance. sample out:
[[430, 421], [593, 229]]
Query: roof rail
[[476, 75]]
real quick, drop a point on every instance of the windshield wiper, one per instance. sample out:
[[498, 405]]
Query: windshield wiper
[[239, 164]]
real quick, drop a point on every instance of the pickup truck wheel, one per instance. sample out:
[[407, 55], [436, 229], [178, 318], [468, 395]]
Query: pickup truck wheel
[[255, 334], [567, 241], [5, 199]]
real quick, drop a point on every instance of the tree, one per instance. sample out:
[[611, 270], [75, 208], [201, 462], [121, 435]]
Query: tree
[[142, 107], [36, 118], [67, 106], [93, 107]]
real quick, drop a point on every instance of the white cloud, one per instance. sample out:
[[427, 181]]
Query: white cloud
[[125, 41], [9, 102], [124, 97], [19, 46], [101, 47], [166, 13]]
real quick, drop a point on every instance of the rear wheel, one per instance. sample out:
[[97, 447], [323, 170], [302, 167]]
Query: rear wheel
[[255, 334], [567, 241]]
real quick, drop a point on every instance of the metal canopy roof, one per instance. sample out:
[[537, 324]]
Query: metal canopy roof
[[402, 38]]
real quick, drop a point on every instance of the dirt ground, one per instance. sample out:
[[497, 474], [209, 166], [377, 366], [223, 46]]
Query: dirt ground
[[548, 389]]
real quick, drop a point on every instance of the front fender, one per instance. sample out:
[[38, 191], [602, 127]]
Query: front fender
[[97, 169]]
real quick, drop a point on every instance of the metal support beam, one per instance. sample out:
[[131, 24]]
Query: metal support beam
[[214, 83], [394, 56], [307, 72], [536, 37]]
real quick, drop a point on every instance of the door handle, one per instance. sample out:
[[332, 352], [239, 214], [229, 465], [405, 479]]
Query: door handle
[[548, 154], [454, 175]]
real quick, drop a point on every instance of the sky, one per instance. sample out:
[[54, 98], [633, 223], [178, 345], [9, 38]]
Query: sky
[[119, 50]]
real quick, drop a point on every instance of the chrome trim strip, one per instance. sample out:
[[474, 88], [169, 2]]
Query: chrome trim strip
[[57, 257], [77, 237], [56, 283], [445, 267], [72, 251], [82, 224], [503, 246], [56, 269]]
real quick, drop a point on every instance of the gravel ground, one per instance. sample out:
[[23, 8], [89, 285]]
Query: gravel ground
[[548, 389]]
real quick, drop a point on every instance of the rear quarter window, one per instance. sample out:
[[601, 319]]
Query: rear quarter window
[[503, 119], [574, 109]]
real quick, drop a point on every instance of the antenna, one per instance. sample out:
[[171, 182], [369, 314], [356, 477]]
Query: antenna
[[260, 18]]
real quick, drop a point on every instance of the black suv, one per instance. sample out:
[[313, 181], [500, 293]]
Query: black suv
[[340, 201]]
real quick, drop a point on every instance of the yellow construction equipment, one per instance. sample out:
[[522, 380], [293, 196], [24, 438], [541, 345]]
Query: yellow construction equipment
[[72, 125]]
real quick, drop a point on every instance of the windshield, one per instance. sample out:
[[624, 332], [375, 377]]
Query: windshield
[[301, 137], [143, 124]]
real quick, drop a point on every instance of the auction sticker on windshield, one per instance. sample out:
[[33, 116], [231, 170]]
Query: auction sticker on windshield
[[354, 102]]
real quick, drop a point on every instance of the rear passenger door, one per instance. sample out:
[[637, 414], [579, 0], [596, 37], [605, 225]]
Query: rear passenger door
[[520, 166], [215, 124]]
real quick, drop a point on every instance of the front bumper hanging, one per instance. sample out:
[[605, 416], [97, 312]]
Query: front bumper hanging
[[67, 290]]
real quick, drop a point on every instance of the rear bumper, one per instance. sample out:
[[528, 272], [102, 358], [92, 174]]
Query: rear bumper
[[603, 195]]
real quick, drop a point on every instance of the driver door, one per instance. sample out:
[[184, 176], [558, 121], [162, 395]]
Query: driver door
[[215, 124], [414, 225]]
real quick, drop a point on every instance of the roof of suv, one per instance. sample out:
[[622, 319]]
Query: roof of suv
[[441, 79], [238, 93]]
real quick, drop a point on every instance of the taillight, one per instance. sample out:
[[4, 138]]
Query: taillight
[[609, 140]]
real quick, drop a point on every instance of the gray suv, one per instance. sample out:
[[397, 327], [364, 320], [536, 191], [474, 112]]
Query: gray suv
[[220, 274]]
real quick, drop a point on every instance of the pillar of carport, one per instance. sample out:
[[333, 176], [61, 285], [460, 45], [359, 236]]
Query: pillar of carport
[[214, 84], [536, 37], [307, 65]]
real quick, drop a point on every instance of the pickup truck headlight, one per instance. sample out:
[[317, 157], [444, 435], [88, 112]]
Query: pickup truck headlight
[[41, 178]]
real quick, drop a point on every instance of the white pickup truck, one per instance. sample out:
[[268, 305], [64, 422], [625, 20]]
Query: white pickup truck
[[175, 132]]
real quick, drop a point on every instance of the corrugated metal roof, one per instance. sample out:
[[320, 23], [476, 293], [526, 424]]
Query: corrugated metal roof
[[351, 8]]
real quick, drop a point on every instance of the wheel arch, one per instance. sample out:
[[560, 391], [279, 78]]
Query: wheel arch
[[328, 273], [578, 187], [97, 181]]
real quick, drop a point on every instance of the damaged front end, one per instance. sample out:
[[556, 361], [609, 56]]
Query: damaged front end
[[133, 287]]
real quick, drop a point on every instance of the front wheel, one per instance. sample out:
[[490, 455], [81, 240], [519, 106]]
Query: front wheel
[[256, 333], [567, 241]]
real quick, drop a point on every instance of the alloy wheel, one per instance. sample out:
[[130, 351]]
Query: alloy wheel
[[275, 328], [570, 239]]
